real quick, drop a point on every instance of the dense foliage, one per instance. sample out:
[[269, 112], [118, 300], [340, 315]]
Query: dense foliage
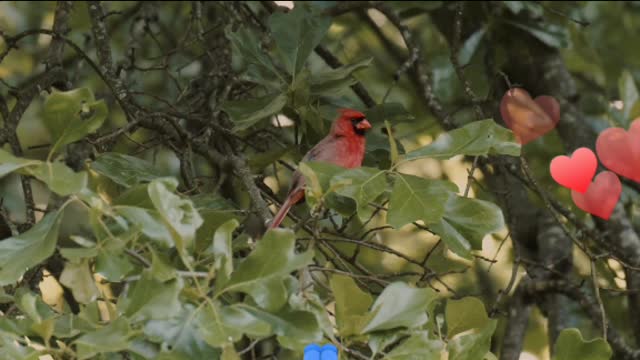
[[147, 144]]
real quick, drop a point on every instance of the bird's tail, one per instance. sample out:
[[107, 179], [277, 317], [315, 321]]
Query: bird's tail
[[284, 209]]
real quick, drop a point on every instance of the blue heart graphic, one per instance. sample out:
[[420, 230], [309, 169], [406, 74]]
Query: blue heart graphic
[[315, 352]]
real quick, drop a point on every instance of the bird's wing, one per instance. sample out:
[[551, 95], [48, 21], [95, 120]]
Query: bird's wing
[[325, 150]]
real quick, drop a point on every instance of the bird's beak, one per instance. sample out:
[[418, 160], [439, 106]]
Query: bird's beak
[[363, 125]]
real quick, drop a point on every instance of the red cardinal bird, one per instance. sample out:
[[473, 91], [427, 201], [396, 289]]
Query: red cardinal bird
[[344, 146]]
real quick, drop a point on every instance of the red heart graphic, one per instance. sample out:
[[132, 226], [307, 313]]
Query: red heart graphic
[[601, 197], [635, 127], [619, 150], [575, 172], [528, 118]]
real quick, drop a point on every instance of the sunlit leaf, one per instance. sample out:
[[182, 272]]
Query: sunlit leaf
[[571, 345], [219, 325], [400, 305], [222, 250], [180, 332], [71, 115], [465, 223], [112, 338], [295, 329], [472, 345], [59, 177], [311, 302], [20, 253], [113, 266], [78, 278], [417, 346], [318, 177], [483, 137], [261, 274], [362, 185], [177, 213], [149, 298], [464, 314], [352, 305], [414, 198], [10, 163]]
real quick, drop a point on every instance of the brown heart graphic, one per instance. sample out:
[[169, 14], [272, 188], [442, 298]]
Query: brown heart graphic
[[529, 118]]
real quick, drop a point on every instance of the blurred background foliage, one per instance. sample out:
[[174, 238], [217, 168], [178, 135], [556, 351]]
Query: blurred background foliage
[[222, 71]]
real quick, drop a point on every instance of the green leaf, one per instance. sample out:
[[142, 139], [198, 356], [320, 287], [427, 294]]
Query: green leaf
[[629, 94], [258, 161], [393, 112], [379, 340], [552, 35], [483, 137], [414, 198], [149, 222], [262, 273], [246, 113], [229, 353], [362, 185], [470, 46], [4, 297], [318, 176], [295, 329], [71, 115], [247, 47], [516, 7], [296, 34], [124, 169], [219, 325], [10, 163], [78, 278], [417, 346], [464, 314], [310, 301], [32, 305], [472, 345], [160, 268], [59, 177], [469, 329], [111, 338], [352, 305], [77, 254], [422, 5], [19, 253], [10, 349], [571, 345], [113, 266], [180, 332], [152, 299], [222, 250], [393, 145], [178, 214], [400, 305], [331, 81], [465, 223]]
